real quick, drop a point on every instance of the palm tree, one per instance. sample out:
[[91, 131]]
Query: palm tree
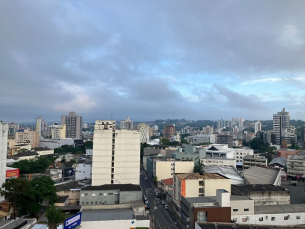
[[55, 216]]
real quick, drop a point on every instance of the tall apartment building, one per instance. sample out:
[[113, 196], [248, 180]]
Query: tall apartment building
[[208, 130], [281, 122], [168, 131], [144, 132], [27, 136], [225, 139], [41, 127], [116, 155], [3, 152], [126, 124], [257, 127], [57, 131], [73, 125], [12, 128]]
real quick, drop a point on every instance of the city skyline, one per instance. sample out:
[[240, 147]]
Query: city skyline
[[151, 60]]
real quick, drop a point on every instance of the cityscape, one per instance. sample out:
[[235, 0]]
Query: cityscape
[[152, 114]]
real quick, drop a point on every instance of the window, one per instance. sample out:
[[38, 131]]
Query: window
[[200, 190], [272, 218], [82, 203], [201, 183], [101, 202], [261, 219], [246, 209], [286, 217], [100, 194], [91, 202], [95, 202], [82, 195], [86, 194], [93, 194], [87, 202], [298, 217], [110, 194], [105, 194], [235, 210]]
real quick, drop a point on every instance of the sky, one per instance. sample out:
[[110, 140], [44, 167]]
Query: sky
[[151, 59]]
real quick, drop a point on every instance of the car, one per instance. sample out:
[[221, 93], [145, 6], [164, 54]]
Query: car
[[165, 206], [147, 206], [162, 202], [145, 178]]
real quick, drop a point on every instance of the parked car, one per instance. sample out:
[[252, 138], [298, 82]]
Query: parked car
[[165, 206], [147, 206]]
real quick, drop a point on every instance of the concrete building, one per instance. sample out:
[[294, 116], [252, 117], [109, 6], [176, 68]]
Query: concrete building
[[144, 132], [257, 127], [194, 185], [260, 175], [116, 155], [262, 194], [278, 162], [83, 171], [55, 143], [281, 122], [167, 185], [25, 136], [164, 150], [254, 160], [169, 131], [73, 125], [12, 128], [3, 153], [110, 194], [228, 172], [126, 124], [190, 153], [57, 131], [219, 162], [72, 189], [287, 152], [201, 139], [208, 130], [41, 127], [225, 139], [296, 166]]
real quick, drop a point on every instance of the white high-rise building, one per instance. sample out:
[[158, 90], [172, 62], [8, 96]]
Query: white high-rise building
[[116, 155], [126, 124], [58, 131], [3, 152], [257, 127], [144, 132], [281, 122], [73, 125]]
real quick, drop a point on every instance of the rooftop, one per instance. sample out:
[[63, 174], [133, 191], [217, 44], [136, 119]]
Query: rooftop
[[121, 187], [27, 153], [62, 199], [276, 209], [107, 215], [193, 176], [279, 160], [201, 199], [260, 175], [168, 181], [226, 171], [245, 189], [238, 198], [69, 185]]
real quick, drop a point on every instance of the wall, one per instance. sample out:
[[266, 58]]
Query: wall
[[270, 198], [241, 205], [214, 214], [184, 166], [130, 196], [211, 185], [122, 224], [218, 162], [83, 171], [163, 170], [271, 219], [99, 197], [74, 196], [3, 153], [192, 188]]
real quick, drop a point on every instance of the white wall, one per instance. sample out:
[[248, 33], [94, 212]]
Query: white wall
[[122, 224], [211, 185], [83, 171], [3, 153]]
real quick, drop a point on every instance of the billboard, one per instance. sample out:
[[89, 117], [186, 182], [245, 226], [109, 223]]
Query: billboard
[[12, 173], [73, 221]]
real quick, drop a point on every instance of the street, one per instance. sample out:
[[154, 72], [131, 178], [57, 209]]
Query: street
[[162, 218]]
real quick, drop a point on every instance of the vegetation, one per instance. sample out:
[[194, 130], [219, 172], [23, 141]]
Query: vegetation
[[155, 180], [55, 216], [89, 144], [143, 145], [64, 149], [198, 168], [37, 165], [26, 196], [165, 141]]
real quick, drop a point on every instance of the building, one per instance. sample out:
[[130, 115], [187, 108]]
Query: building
[[55, 143], [3, 152], [257, 127], [228, 172], [262, 194], [126, 124], [116, 155], [201, 138], [225, 139], [208, 130], [144, 132], [41, 127], [281, 122], [167, 184], [26, 136], [287, 152], [194, 185], [190, 153], [169, 131], [12, 129], [296, 166], [278, 162], [164, 150], [58, 131], [260, 175], [72, 189], [73, 125], [218, 162], [83, 171], [254, 160]]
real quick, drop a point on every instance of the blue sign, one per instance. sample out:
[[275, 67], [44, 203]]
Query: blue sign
[[73, 221]]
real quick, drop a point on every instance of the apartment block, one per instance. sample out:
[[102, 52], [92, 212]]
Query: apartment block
[[73, 125]]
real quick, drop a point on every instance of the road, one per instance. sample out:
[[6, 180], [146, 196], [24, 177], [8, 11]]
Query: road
[[163, 219]]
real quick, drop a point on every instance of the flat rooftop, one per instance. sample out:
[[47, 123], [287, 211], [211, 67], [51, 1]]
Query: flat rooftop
[[106, 215], [232, 198], [121, 187], [245, 189], [69, 185], [201, 199], [276, 209]]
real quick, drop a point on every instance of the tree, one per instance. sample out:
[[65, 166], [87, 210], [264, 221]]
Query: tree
[[15, 190], [155, 180], [164, 141], [143, 145], [55, 216], [258, 144], [198, 167], [63, 160], [89, 144], [59, 150]]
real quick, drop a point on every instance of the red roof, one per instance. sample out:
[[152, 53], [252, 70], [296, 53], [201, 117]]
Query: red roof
[[168, 181]]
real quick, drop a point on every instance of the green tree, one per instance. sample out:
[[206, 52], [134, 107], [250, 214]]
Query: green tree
[[198, 167], [55, 216], [80, 150], [73, 161], [155, 180], [258, 145], [59, 150], [63, 160], [143, 145], [15, 190], [164, 141], [89, 144]]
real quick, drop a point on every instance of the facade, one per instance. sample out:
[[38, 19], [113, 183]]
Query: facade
[[263, 194], [72, 189], [225, 139], [116, 155], [110, 194], [41, 127], [58, 131], [126, 124], [296, 165], [144, 132], [281, 122], [218, 162], [190, 153], [164, 150], [201, 138], [254, 160], [169, 131], [44, 151], [83, 171], [257, 127], [194, 185], [3, 152], [208, 130], [287, 152], [25, 136], [167, 185], [73, 125], [55, 143]]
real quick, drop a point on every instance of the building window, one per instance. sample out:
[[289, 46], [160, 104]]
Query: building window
[[272, 218], [82, 203], [246, 209], [87, 202], [95, 202], [91, 202], [110, 193], [105, 194], [100, 194], [235, 210], [86, 194], [286, 217], [261, 219], [101, 202], [200, 190], [82, 195], [93, 194], [298, 217]]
